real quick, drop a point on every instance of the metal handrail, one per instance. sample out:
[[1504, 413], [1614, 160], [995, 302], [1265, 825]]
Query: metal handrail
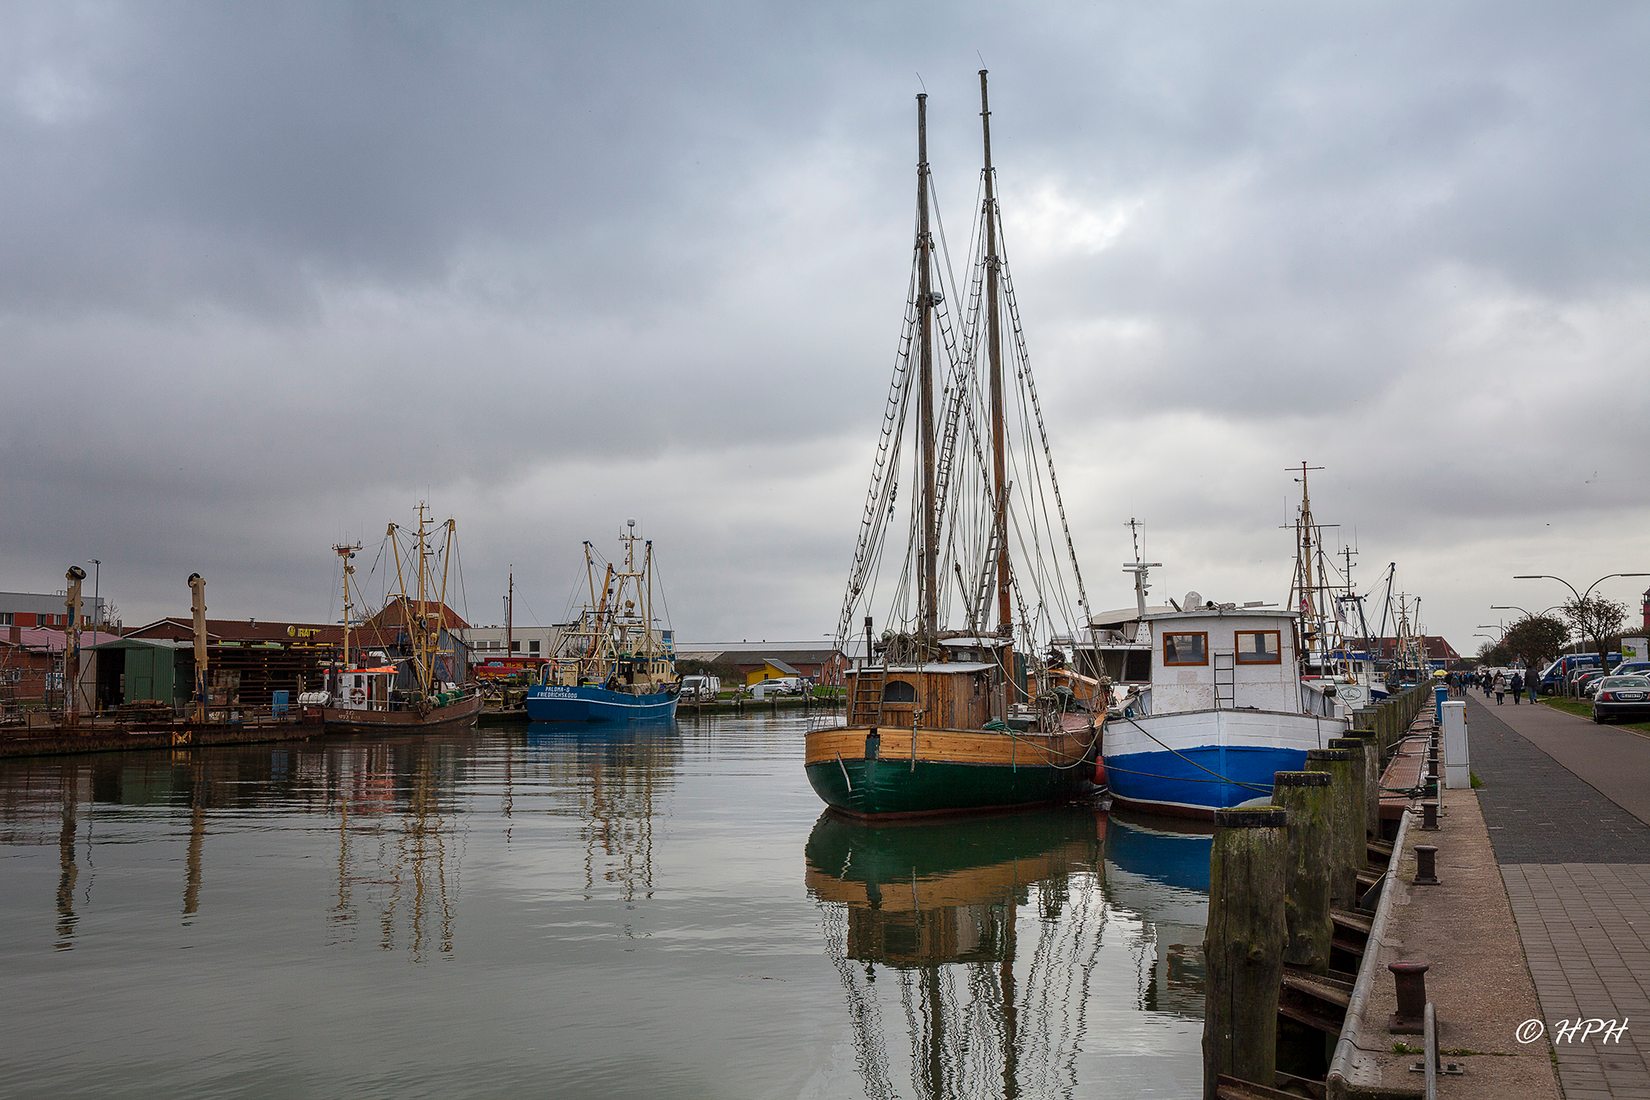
[[1341, 1067], [1429, 1028]]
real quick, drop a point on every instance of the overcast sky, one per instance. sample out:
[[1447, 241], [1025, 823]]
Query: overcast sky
[[272, 273]]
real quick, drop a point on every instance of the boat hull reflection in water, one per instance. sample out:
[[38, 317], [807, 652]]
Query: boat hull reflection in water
[[988, 956], [1159, 871]]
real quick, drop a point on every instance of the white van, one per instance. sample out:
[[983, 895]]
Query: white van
[[701, 687]]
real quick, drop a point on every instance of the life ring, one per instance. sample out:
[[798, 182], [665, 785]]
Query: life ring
[[356, 695]]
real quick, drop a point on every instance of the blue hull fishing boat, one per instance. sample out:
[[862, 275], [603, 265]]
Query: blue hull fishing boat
[[590, 703], [1224, 710], [615, 664]]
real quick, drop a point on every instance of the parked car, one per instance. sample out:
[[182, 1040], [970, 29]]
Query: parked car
[[782, 685], [1622, 697], [1572, 681], [1587, 682], [1554, 676], [1631, 668]]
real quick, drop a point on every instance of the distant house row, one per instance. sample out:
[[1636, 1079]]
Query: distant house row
[[753, 662], [249, 660]]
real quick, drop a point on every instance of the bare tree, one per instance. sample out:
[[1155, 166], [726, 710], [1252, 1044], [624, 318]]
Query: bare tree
[[1597, 619]]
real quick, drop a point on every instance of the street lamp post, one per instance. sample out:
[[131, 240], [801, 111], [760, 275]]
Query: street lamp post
[[1533, 615], [97, 587], [1581, 597], [1527, 614]]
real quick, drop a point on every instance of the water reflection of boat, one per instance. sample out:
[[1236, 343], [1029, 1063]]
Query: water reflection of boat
[[1159, 872], [937, 904], [615, 773]]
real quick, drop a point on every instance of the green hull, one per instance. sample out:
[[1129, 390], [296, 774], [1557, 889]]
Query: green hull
[[857, 851], [901, 788]]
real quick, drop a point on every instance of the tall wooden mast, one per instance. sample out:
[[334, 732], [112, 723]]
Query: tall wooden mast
[[425, 644], [994, 347], [928, 598]]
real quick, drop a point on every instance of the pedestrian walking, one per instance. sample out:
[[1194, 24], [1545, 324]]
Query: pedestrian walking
[[1517, 687], [1489, 684], [1500, 686]]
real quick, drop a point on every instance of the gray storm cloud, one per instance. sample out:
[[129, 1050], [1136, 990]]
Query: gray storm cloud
[[270, 274]]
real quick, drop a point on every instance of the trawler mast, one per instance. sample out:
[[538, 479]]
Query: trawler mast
[[425, 642]]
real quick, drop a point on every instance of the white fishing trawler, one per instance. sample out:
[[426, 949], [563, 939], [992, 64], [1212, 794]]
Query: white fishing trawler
[[1225, 708]]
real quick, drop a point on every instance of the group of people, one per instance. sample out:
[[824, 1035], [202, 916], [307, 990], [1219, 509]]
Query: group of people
[[1493, 682]]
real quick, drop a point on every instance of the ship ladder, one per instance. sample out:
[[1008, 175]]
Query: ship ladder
[[980, 610], [867, 701], [1225, 680]]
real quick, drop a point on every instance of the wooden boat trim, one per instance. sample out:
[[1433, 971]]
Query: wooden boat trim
[[1015, 748]]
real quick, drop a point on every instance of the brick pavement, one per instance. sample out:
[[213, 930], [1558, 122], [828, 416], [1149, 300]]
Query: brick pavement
[[1576, 865]]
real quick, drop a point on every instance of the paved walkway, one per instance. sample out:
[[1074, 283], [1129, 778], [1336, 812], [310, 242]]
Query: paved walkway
[[1568, 809]]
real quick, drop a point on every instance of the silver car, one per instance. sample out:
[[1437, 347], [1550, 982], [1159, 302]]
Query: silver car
[[1622, 697]]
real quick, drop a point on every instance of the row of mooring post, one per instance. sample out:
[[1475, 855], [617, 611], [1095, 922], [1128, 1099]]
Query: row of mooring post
[[1280, 877], [1409, 976]]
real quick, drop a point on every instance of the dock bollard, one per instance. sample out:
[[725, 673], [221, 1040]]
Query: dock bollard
[[1243, 944], [1309, 928], [1429, 815], [1346, 845], [1426, 865], [1410, 982]]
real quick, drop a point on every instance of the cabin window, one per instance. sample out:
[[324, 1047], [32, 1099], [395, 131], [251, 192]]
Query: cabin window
[[1186, 648], [1259, 647], [898, 691]]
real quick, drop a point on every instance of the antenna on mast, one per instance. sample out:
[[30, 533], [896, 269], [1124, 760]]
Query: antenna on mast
[[1140, 569]]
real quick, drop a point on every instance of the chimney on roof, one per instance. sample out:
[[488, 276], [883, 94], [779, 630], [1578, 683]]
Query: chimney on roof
[[17, 631]]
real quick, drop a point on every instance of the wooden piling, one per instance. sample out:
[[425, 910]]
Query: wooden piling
[[1243, 945], [1362, 743], [1363, 721], [1386, 724], [1305, 796], [1346, 843]]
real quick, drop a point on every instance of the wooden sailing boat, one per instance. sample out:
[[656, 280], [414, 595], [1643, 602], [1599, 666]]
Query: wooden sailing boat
[[420, 687], [978, 716]]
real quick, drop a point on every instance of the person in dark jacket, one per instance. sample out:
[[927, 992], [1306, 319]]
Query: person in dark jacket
[[1517, 687]]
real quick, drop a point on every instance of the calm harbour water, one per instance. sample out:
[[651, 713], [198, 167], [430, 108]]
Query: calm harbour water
[[575, 912]]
